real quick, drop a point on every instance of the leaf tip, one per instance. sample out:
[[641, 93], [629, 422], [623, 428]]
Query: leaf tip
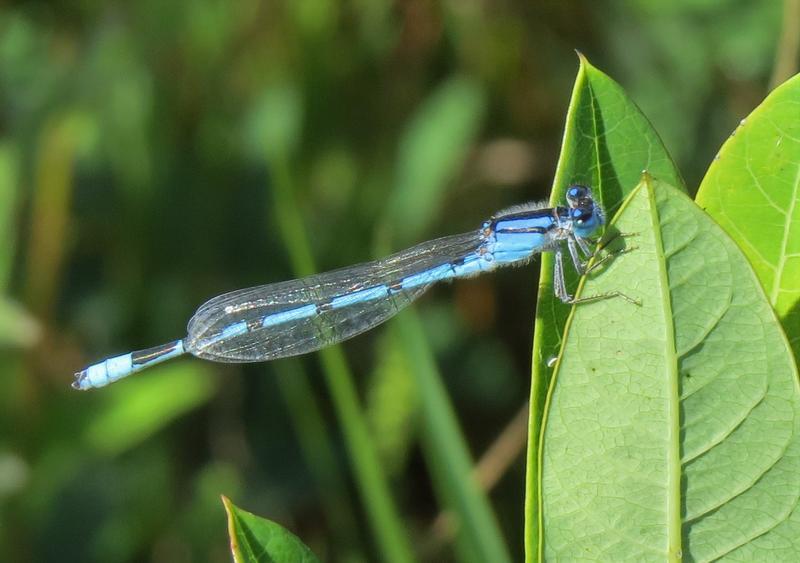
[[234, 544]]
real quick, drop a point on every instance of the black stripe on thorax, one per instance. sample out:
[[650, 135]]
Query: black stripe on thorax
[[536, 230], [553, 213]]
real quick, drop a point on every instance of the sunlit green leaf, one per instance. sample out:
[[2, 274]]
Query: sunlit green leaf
[[752, 189], [257, 540], [607, 143], [673, 427]]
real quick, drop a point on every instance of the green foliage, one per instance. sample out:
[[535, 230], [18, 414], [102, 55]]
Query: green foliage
[[752, 189], [155, 154], [671, 425], [256, 540], [392, 404], [274, 125]]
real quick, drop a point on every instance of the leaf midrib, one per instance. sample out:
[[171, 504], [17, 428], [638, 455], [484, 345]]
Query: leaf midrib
[[671, 356]]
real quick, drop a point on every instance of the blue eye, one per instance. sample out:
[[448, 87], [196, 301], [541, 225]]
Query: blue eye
[[576, 193], [580, 215]]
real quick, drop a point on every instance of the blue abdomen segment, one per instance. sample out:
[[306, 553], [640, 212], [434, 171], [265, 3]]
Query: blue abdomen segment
[[294, 314], [427, 277], [112, 369], [472, 265]]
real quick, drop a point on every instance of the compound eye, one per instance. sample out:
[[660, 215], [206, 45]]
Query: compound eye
[[575, 193], [580, 215]]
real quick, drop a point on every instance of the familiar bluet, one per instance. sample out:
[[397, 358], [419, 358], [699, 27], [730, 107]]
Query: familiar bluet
[[299, 316]]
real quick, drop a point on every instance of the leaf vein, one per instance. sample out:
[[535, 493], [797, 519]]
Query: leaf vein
[[752, 484], [723, 436]]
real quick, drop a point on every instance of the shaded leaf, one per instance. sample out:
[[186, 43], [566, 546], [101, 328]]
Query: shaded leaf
[[479, 537], [392, 404], [274, 125]]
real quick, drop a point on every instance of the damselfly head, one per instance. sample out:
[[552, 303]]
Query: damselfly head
[[587, 216]]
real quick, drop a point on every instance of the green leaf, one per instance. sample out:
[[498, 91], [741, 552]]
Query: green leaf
[[673, 428], [255, 539], [752, 189], [142, 405], [607, 143]]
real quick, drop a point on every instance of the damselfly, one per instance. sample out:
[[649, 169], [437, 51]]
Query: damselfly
[[299, 316]]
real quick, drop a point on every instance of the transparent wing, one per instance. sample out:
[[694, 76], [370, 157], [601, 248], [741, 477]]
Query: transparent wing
[[327, 325]]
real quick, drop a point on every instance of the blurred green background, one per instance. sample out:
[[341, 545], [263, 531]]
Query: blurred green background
[[155, 154]]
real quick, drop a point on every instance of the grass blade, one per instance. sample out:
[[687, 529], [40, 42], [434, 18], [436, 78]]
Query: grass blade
[[382, 512], [432, 152], [276, 129], [447, 454]]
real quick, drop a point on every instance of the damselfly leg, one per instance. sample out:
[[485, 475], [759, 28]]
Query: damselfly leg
[[576, 245]]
